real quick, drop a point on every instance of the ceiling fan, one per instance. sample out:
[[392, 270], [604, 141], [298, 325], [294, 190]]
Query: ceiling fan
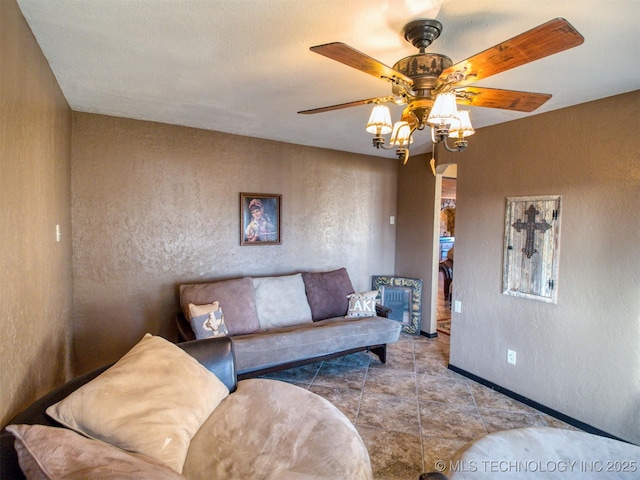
[[430, 85]]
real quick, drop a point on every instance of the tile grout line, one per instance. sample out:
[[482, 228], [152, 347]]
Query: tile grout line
[[315, 375], [420, 432], [366, 375]]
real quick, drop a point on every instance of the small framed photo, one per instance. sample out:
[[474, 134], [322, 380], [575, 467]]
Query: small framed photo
[[260, 218]]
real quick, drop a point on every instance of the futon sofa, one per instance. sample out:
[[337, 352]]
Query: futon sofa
[[167, 411], [281, 321]]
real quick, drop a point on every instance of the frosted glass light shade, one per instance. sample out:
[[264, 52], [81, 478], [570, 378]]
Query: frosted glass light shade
[[463, 126], [380, 121], [401, 135], [444, 109]]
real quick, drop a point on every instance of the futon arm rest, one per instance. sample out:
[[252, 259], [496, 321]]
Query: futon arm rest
[[382, 311], [185, 332]]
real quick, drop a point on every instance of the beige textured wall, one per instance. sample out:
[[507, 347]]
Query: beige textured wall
[[157, 205], [35, 194], [581, 356], [414, 252]]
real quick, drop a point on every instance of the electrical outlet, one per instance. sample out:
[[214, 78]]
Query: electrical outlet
[[58, 234], [511, 357]]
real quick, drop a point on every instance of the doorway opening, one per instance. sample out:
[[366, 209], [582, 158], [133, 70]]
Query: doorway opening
[[446, 248]]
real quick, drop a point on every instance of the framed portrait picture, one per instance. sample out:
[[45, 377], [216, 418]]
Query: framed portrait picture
[[260, 218], [404, 297]]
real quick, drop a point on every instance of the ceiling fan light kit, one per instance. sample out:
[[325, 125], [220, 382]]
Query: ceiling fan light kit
[[379, 121], [431, 86]]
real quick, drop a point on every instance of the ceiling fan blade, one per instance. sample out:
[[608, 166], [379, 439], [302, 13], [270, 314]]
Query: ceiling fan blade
[[496, 98], [347, 105], [544, 40], [343, 53]]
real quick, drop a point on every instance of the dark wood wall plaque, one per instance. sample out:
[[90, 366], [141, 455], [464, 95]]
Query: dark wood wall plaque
[[531, 247]]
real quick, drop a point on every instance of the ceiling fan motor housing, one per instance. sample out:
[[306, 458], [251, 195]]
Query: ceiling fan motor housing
[[423, 68], [421, 32]]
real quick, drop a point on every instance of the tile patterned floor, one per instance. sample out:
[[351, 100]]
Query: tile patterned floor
[[412, 410]]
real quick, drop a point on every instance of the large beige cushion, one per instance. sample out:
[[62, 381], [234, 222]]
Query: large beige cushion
[[271, 430], [152, 401], [46, 453], [281, 301]]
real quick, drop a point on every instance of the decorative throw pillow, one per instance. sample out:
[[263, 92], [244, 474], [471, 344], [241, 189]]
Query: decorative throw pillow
[[152, 401], [327, 293], [207, 320], [362, 304], [281, 301], [49, 452], [235, 296]]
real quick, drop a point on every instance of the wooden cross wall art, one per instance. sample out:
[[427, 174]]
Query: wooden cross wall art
[[531, 247]]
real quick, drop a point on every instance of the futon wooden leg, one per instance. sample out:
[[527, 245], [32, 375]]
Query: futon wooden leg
[[381, 352]]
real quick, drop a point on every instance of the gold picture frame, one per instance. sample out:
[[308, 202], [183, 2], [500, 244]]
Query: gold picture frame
[[260, 218]]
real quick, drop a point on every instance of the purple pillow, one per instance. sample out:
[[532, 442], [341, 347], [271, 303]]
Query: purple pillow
[[327, 293], [236, 298]]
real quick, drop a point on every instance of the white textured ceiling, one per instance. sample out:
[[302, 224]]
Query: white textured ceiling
[[244, 66]]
